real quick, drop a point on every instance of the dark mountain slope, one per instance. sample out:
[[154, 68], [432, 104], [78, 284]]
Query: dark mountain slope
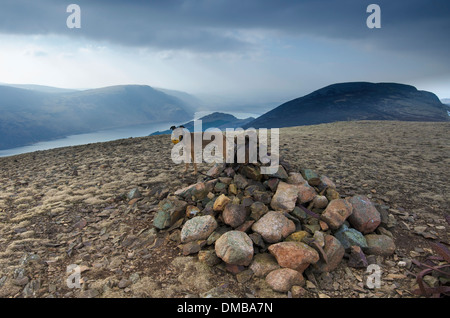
[[355, 101]]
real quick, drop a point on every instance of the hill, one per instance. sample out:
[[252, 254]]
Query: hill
[[214, 120], [29, 115], [41, 88], [356, 101]]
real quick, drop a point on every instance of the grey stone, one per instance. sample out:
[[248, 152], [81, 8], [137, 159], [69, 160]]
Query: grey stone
[[263, 264], [169, 211], [257, 240], [295, 178], [197, 191], [311, 176], [349, 237], [124, 283], [134, 278], [198, 228], [32, 288], [235, 247], [273, 227], [133, 194], [220, 187], [285, 197], [3, 280], [381, 245], [240, 181], [299, 214]]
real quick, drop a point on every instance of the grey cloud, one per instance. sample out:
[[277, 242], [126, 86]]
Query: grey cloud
[[204, 25]]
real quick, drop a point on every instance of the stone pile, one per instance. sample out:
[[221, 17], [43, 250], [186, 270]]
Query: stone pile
[[273, 226]]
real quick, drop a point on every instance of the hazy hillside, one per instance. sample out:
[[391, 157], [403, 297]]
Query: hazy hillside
[[356, 101], [28, 116], [41, 88], [214, 120], [192, 103]]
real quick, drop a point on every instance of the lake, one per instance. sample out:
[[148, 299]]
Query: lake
[[105, 135]]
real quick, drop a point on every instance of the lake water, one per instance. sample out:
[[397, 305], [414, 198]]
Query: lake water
[[105, 135]]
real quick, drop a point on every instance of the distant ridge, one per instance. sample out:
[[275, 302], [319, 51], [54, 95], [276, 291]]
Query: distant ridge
[[355, 101], [41, 88], [28, 116], [215, 120]]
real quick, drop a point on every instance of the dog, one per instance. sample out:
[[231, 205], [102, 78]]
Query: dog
[[178, 137]]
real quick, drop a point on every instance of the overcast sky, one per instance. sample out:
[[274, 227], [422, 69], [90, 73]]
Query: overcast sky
[[249, 49]]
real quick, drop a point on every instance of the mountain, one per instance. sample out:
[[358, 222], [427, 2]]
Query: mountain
[[214, 120], [355, 101], [28, 116], [192, 103], [41, 88]]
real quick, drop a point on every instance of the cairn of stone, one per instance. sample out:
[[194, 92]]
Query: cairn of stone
[[273, 226]]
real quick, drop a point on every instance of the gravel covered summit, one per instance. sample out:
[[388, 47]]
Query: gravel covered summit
[[95, 205]]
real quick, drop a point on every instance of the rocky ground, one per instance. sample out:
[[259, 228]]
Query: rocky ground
[[69, 206]]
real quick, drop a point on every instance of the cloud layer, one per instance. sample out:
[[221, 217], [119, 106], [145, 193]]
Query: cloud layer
[[216, 26], [227, 46]]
